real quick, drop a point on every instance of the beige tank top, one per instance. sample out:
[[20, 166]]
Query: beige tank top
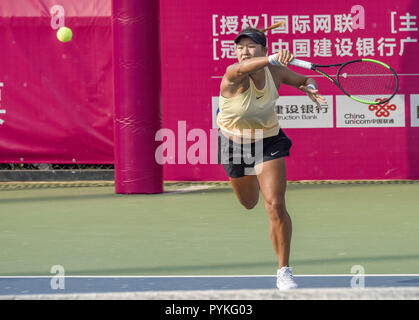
[[239, 117]]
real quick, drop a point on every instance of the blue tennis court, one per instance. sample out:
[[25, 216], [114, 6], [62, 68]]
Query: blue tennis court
[[15, 286]]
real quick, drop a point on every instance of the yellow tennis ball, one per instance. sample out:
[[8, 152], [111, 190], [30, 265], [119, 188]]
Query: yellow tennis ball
[[64, 34]]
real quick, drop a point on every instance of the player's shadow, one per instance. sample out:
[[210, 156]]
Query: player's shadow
[[226, 268]]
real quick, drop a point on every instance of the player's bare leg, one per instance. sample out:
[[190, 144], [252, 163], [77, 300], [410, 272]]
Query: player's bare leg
[[273, 181], [247, 190]]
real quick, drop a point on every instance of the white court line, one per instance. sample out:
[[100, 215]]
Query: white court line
[[189, 189], [214, 276]]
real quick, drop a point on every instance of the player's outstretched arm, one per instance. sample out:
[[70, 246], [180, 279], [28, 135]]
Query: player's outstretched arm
[[303, 83], [238, 71]]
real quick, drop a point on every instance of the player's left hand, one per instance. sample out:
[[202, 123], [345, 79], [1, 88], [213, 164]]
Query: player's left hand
[[314, 95]]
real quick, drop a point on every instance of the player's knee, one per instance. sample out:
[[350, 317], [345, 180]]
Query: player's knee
[[249, 204], [276, 209]]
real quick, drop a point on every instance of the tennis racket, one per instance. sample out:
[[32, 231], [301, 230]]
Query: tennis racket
[[361, 80]]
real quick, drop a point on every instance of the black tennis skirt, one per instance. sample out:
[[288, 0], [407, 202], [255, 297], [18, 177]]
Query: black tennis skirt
[[239, 160]]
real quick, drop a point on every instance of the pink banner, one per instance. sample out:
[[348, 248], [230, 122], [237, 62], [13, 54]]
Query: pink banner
[[56, 99], [346, 140]]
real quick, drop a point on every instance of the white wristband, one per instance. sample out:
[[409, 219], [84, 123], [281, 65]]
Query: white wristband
[[273, 60], [312, 86]]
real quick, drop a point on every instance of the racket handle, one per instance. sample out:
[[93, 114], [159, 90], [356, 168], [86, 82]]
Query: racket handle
[[302, 64]]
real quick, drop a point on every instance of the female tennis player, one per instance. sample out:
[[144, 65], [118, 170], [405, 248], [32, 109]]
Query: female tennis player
[[252, 146]]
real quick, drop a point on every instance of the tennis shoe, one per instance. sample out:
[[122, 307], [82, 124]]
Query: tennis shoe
[[285, 279]]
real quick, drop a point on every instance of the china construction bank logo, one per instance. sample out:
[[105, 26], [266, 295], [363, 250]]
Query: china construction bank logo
[[388, 114], [2, 110]]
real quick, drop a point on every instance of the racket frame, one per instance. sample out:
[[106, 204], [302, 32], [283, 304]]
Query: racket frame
[[342, 65]]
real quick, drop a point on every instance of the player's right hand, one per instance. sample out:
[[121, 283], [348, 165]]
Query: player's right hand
[[284, 57]]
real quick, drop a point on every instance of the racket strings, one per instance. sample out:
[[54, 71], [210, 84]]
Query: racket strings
[[368, 81]]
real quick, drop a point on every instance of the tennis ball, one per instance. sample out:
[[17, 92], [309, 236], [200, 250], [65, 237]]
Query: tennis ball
[[64, 34]]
